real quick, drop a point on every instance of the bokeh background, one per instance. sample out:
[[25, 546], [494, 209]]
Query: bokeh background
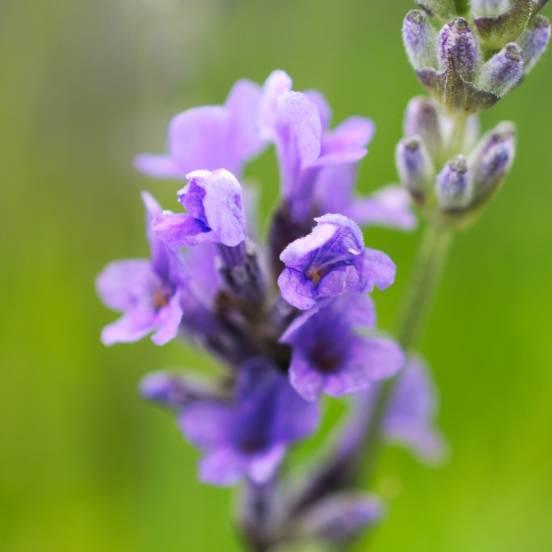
[[84, 464]]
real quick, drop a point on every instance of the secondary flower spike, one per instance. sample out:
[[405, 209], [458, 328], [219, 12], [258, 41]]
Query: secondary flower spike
[[249, 437], [330, 261], [479, 57], [147, 292]]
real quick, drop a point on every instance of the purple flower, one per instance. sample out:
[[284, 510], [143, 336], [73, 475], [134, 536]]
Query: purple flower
[[330, 261], [215, 213], [211, 137], [409, 419], [389, 206], [249, 437], [330, 356], [147, 292], [318, 165], [333, 180]]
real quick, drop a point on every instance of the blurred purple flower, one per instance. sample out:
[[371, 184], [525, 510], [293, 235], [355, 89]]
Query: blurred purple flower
[[330, 356], [410, 416], [146, 291], [211, 137], [340, 517], [330, 261], [249, 438], [176, 391]]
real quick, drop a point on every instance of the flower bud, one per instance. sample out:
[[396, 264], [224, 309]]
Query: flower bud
[[415, 166], [440, 8], [422, 119], [503, 71], [340, 517], [174, 391], [489, 8], [458, 49], [454, 186], [492, 160], [419, 40], [538, 5], [500, 28], [534, 41]]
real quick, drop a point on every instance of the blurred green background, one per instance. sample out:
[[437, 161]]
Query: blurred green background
[[84, 464]]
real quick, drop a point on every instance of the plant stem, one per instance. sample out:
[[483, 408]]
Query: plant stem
[[427, 272], [429, 265], [458, 136]]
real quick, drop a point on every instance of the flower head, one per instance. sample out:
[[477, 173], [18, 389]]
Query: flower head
[[249, 437], [330, 356], [147, 292], [330, 261], [211, 137]]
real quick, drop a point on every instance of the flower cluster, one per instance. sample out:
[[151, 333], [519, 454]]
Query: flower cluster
[[291, 320], [459, 178], [468, 55], [480, 53]]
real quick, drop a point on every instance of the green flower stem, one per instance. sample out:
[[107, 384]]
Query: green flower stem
[[458, 137], [427, 272], [429, 265]]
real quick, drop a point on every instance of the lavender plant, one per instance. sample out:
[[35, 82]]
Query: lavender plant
[[293, 319]]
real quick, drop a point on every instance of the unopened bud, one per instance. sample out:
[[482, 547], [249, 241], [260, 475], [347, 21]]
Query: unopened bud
[[496, 30], [414, 166], [419, 40], [422, 119], [489, 8], [534, 41], [538, 5], [503, 71], [440, 8], [458, 49], [492, 159], [173, 391], [339, 518], [454, 186]]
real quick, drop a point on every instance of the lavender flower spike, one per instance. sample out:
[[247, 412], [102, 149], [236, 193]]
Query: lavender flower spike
[[215, 212], [211, 137], [249, 438], [330, 261], [329, 356], [147, 292]]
